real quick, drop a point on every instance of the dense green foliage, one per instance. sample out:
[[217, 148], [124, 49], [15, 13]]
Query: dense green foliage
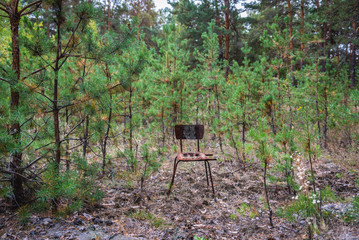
[[99, 96]]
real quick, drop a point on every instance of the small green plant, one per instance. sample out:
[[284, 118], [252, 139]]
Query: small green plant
[[247, 210], [200, 238], [339, 175], [233, 216], [75, 187], [150, 163], [145, 215], [154, 220], [307, 206], [352, 214], [24, 214]]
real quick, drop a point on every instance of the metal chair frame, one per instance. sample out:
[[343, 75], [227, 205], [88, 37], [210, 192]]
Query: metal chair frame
[[191, 132]]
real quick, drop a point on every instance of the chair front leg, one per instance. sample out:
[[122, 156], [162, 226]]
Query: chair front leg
[[173, 175]]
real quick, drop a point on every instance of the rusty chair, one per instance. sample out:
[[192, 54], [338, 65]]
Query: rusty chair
[[191, 132]]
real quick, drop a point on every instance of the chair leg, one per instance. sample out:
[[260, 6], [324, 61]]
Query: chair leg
[[210, 175], [173, 175], [205, 165]]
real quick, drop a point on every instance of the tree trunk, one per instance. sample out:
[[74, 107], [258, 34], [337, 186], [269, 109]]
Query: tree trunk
[[109, 25], [266, 189], [86, 134], [130, 118], [219, 117], [290, 15], [302, 4], [226, 25], [15, 128], [220, 36], [56, 109], [68, 154], [104, 150], [353, 51]]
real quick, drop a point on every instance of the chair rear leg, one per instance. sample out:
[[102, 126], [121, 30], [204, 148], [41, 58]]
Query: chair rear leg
[[173, 175], [205, 165], [210, 175]]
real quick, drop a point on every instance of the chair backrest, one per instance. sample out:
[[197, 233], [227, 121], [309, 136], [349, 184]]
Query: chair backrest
[[190, 132]]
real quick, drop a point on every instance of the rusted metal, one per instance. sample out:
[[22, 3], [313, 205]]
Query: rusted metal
[[192, 132]]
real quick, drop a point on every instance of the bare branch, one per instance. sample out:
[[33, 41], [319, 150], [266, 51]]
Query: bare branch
[[32, 140], [4, 4], [22, 11], [65, 106], [36, 71], [4, 8], [72, 129], [22, 124], [63, 61], [78, 145], [12, 172], [44, 146], [72, 36], [30, 11], [4, 80], [80, 56], [45, 96], [35, 161]]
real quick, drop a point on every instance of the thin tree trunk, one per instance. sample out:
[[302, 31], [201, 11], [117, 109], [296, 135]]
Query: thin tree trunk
[[317, 104], [325, 124], [67, 143], [219, 118], [220, 36], [353, 51], [85, 137], [15, 128], [290, 15], [237, 152], [227, 41], [109, 25], [266, 189], [163, 127], [55, 106], [243, 138], [130, 117], [324, 44], [302, 4], [104, 149]]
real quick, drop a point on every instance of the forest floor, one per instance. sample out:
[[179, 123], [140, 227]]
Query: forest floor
[[191, 212]]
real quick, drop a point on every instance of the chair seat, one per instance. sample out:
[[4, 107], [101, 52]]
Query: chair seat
[[197, 156]]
